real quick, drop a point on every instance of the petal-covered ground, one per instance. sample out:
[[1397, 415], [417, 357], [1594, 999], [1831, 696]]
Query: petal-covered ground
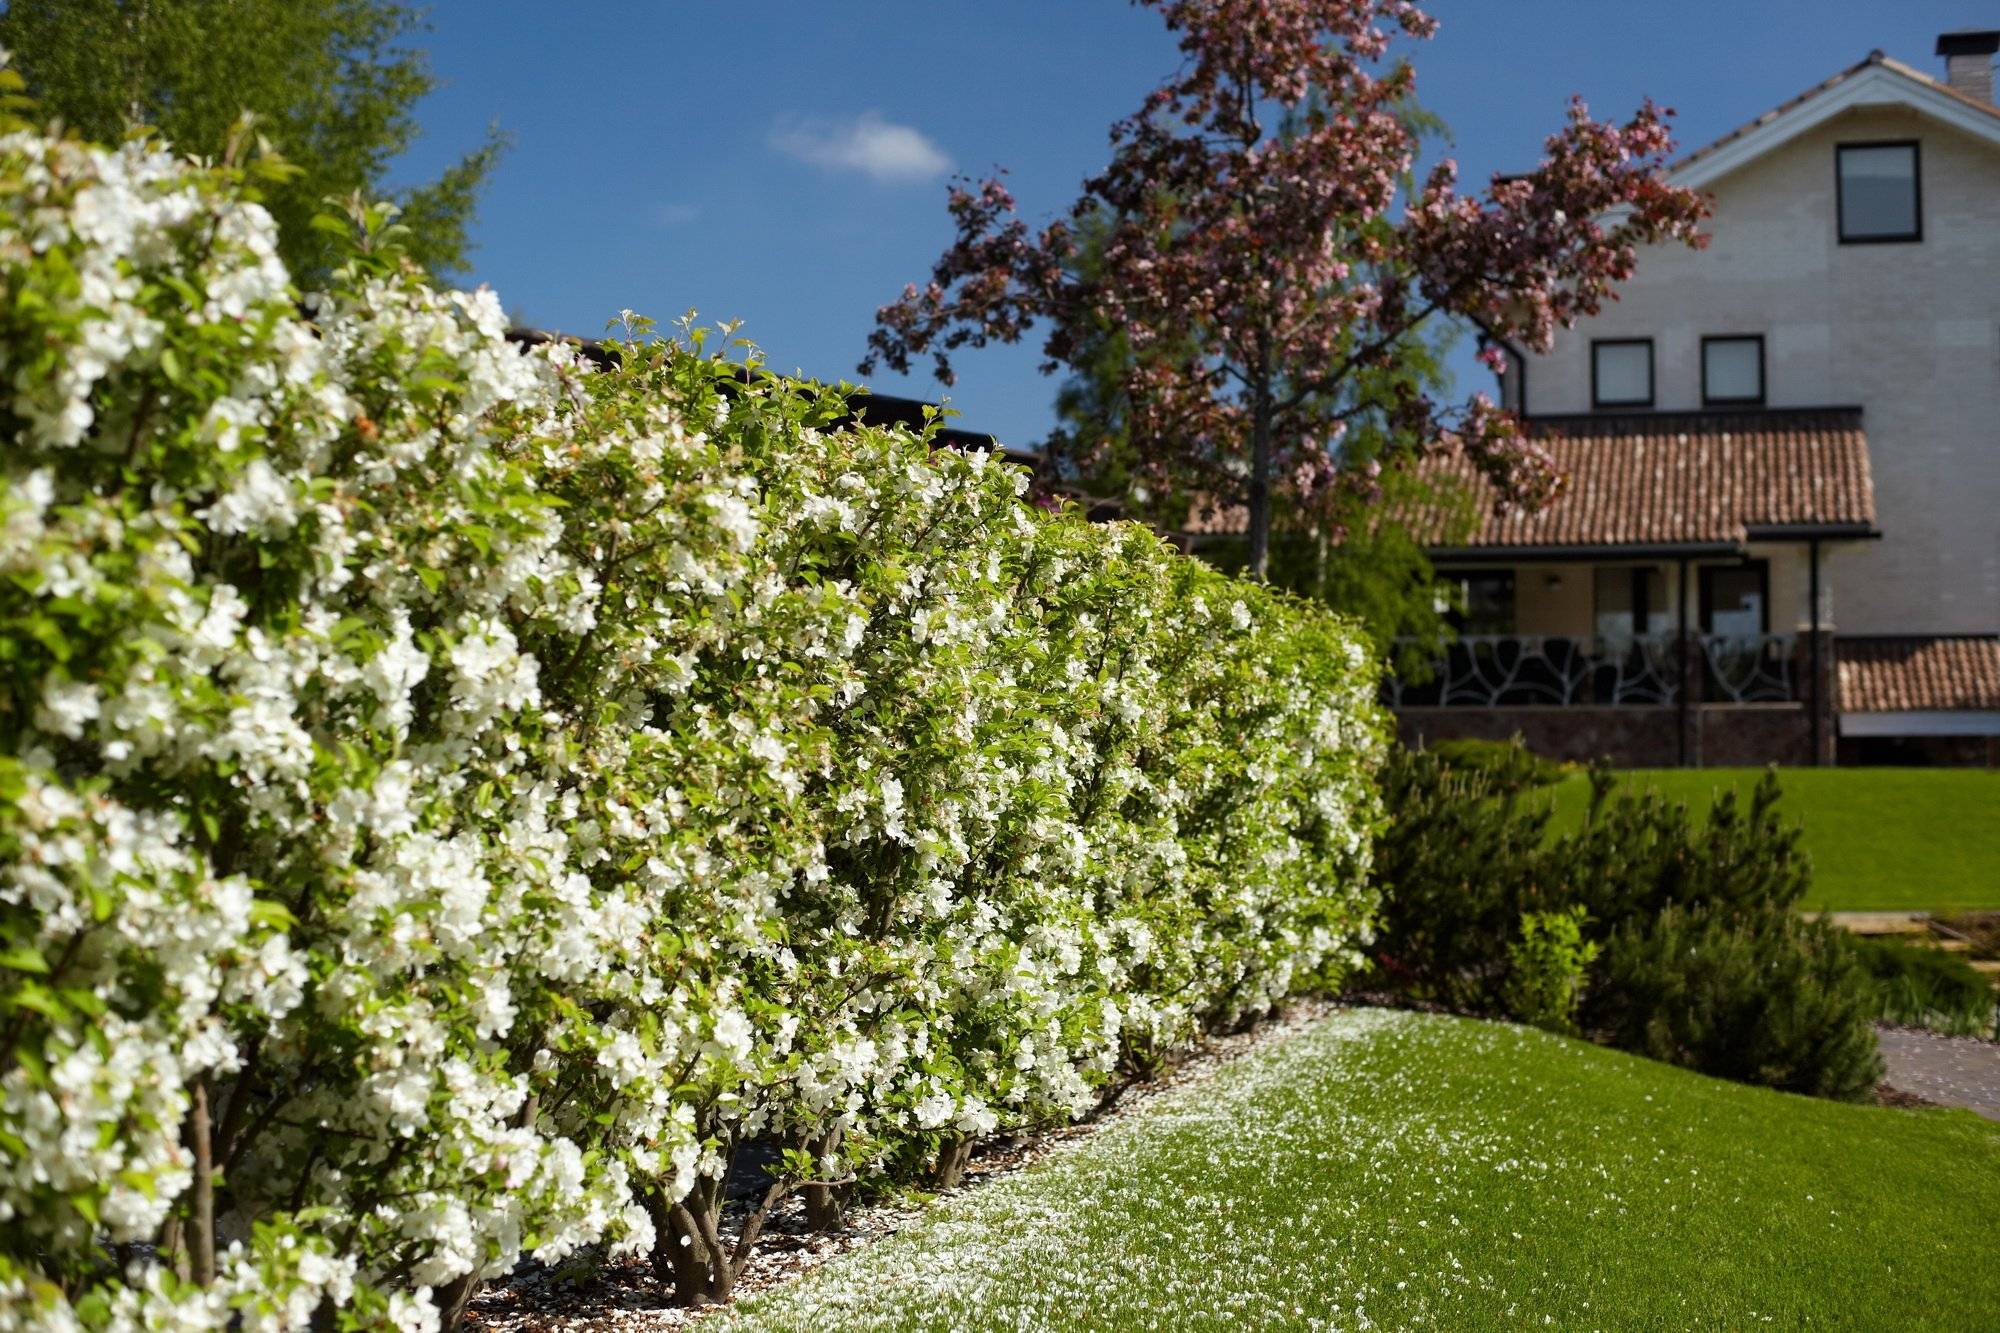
[[1395, 1170]]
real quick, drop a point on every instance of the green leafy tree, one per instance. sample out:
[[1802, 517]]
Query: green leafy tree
[[1362, 550], [330, 84]]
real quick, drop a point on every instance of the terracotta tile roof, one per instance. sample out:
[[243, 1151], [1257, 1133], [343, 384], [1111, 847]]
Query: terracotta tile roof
[[1699, 478], [1663, 479], [1893, 675]]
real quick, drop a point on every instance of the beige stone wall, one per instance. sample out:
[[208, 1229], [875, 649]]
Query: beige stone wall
[[1562, 598], [1911, 332], [1553, 599]]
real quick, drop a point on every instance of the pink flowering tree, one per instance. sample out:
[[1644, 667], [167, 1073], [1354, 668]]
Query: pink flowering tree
[[1247, 253]]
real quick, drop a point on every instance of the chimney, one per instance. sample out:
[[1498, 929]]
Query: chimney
[[1968, 62]]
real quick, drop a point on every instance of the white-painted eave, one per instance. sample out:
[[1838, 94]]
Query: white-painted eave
[[1922, 722], [1873, 85]]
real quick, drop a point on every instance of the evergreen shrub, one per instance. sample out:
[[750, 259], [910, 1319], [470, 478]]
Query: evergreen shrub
[[1700, 955]]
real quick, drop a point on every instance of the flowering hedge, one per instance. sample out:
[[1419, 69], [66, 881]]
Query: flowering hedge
[[454, 796]]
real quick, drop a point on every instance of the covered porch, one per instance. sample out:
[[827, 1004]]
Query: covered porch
[[1673, 607]]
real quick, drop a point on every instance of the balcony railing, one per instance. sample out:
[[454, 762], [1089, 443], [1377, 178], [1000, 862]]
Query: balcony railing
[[1499, 670]]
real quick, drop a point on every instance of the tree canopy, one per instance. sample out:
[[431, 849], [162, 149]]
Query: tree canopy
[[330, 84], [1246, 259]]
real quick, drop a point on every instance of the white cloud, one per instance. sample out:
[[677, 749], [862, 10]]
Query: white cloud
[[676, 215], [868, 144]]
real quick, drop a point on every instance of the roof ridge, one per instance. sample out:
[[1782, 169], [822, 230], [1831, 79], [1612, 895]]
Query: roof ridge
[[1877, 57]]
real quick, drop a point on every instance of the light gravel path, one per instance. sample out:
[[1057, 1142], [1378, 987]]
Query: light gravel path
[[1952, 1071]]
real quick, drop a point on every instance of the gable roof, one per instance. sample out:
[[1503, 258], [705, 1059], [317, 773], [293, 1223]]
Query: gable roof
[[1877, 80]]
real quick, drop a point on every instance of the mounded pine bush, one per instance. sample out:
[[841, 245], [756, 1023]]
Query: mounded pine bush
[[455, 797]]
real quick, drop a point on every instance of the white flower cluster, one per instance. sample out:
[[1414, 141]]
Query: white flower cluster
[[452, 796]]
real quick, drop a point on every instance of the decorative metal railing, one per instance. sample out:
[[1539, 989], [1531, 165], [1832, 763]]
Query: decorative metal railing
[[1749, 668], [1497, 670]]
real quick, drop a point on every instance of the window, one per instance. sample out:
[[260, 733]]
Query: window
[[1485, 600], [1621, 372], [1732, 369], [1631, 601], [1513, 379], [1735, 599], [1877, 192]]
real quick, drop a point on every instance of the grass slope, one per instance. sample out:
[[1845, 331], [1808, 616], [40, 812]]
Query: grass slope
[[1402, 1170], [1927, 839]]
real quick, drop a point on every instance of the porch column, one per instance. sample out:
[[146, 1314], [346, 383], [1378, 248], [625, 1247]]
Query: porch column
[[1690, 679]]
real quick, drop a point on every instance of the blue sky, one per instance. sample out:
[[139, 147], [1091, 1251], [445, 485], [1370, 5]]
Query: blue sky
[[783, 163]]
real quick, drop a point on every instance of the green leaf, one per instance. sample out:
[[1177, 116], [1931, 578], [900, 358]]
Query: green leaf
[[25, 958]]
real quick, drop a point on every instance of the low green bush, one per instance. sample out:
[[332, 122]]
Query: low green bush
[[1698, 953], [1511, 765], [1761, 996], [1461, 860], [1546, 969], [1927, 988]]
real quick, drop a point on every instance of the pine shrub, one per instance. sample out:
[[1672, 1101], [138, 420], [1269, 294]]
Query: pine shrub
[[1700, 956], [1461, 860], [1760, 996]]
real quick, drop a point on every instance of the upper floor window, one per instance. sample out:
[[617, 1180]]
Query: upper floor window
[[1621, 372], [1732, 369], [1878, 193], [1512, 376]]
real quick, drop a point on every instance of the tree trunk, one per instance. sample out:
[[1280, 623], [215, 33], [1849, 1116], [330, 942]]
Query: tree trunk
[[452, 1299], [823, 1211], [201, 1226], [680, 1255], [952, 1157], [1260, 481]]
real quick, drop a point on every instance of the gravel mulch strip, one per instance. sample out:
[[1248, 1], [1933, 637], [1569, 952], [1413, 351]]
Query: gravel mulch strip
[[588, 1293], [1946, 1071]]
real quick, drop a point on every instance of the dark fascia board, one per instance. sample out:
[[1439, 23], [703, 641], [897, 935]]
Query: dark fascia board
[[1739, 410], [1458, 555], [1778, 532], [1905, 638], [1657, 550]]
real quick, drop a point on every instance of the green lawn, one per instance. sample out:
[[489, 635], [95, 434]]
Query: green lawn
[[1402, 1170], [1927, 839]]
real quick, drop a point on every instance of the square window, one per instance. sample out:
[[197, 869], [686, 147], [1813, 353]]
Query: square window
[[1485, 600], [1621, 372], [1878, 194], [1631, 602], [1732, 369], [1735, 599]]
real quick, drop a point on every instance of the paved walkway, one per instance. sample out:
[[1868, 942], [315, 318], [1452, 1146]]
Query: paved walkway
[[1952, 1071]]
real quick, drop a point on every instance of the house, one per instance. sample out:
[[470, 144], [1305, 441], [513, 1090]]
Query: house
[[1780, 538]]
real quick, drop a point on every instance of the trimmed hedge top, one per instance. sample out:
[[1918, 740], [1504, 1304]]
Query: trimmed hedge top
[[456, 795]]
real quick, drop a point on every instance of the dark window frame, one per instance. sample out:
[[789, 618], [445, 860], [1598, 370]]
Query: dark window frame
[[1652, 373], [1762, 569], [1639, 592], [1763, 382], [1916, 236], [1518, 365], [1460, 575]]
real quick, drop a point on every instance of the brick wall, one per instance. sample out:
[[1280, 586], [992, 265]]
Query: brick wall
[[1719, 735]]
